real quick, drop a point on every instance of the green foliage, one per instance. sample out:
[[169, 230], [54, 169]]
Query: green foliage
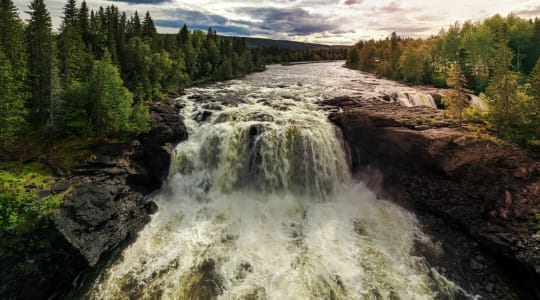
[[39, 40], [12, 40], [414, 64], [136, 65], [75, 61], [456, 99], [20, 207], [12, 109], [535, 103], [111, 101], [139, 119], [492, 57], [77, 77], [78, 120]]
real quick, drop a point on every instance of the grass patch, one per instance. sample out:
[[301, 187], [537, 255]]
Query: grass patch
[[20, 207], [65, 153]]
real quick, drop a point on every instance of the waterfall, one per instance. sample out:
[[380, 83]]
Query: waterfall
[[260, 205], [411, 99]]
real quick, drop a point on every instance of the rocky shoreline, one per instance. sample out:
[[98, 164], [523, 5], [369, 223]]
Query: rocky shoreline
[[484, 188], [105, 205]]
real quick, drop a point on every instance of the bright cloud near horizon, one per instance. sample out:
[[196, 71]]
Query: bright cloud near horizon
[[335, 22]]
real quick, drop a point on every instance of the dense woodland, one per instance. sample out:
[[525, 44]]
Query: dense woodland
[[274, 55], [497, 59], [96, 75]]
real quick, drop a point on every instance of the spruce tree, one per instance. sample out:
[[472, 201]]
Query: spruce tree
[[12, 39], [456, 99], [183, 36], [110, 100], [75, 62], [535, 93], [148, 28], [12, 110], [40, 61], [135, 28], [84, 19]]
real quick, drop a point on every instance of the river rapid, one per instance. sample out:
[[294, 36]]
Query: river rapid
[[260, 203]]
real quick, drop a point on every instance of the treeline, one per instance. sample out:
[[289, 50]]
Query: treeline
[[98, 73], [497, 58], [274, 55]]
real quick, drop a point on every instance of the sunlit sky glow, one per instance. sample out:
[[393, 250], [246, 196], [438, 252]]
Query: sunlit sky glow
[[321, 21]]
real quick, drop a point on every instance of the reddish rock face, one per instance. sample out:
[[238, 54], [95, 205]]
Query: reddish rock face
[[475, 181]]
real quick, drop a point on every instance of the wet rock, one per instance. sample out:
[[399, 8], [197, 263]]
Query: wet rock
[[57, 171], [151, 207], [43, 193], [167, 129], [508, 199], [60, 187], [475, 265], [202, 116]]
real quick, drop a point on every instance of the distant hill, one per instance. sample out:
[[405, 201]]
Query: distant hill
[[284, 44]]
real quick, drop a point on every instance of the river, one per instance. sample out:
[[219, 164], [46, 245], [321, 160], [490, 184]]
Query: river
[[260, 203]]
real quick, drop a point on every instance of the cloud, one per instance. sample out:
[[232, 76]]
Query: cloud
[[291, 21], [192, 18], [392, 8], [221, 29], [343, 31], [531, 11], [353, 2], [143, 1]]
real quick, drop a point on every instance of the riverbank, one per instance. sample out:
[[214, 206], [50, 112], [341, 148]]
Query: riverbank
[[484, 187], [101, 203]]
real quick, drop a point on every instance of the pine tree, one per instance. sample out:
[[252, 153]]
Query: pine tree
[[75, 61], [135, 28], [535, 93], [12, 110], [148, 28], [12, 40], [110, 100], [40, 61], [183, 36], [456, 99], [507, 103], [503, 82], [136, 68], [84, 19]]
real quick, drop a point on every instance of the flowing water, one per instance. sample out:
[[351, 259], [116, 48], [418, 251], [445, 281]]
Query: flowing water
[[260, 203]]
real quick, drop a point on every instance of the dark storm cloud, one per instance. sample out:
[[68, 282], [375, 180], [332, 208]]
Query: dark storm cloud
[[221, 29], [194, 17], [291, 21], [143, 1]]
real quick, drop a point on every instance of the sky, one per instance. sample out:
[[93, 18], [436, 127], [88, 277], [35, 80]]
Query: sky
[[337, 22]]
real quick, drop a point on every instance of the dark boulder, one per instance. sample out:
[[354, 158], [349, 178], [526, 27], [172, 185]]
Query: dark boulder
[[60, 186]]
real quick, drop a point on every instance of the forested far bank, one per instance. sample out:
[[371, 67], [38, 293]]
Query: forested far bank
[[274, 55], [96, 75], [498, 59]]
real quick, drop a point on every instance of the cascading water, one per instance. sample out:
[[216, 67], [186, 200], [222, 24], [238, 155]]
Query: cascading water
[[260, 205]]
